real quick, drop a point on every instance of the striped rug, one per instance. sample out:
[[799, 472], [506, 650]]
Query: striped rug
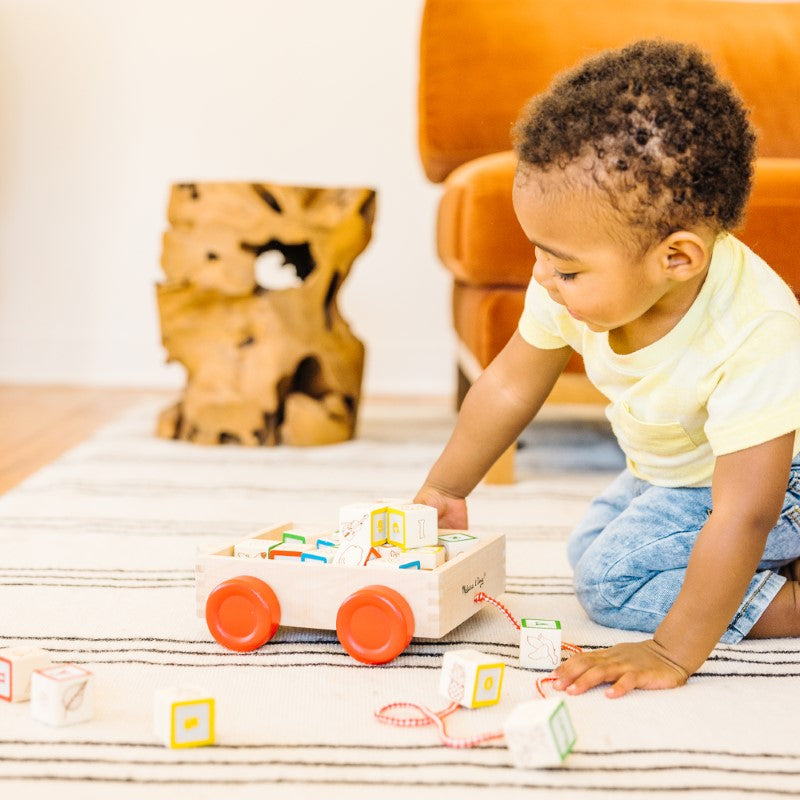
[[96, 566]]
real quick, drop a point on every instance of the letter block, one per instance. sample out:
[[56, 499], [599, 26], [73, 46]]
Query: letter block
[[16, 667], [539, 733], [183, 717], [412, 525], [471, 678], [364, 523], [539, 643], [62, 694], [456, 543]]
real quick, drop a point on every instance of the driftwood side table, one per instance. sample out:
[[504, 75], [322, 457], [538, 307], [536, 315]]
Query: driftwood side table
[[248, 306]]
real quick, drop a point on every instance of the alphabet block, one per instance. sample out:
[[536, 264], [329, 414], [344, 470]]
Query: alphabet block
[[16, 667], [539, 643], [321, 555], [456, 543], [429, 557], [363, 523], [62, 694], [183, 717], [471, 678], [412, 525], [252, 548], [539, 733]]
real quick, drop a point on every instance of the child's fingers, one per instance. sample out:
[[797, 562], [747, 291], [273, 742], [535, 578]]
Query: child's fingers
[[623, 685]]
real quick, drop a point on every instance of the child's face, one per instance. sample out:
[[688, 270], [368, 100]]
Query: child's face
[[581, 258]]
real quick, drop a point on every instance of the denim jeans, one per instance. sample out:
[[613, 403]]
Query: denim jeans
[[630, 552]]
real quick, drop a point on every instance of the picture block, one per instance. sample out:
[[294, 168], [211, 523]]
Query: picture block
[[183, 717], [471, 678], [62, 694], [540, 643], [16, 667], [457, 543], [539, 733], [412, 525]]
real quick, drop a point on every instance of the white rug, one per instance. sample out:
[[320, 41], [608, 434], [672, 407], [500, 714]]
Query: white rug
[[96, 565]]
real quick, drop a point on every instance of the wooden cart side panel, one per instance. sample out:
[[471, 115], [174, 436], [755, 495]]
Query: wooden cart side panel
[[310, 594], [481, 570]]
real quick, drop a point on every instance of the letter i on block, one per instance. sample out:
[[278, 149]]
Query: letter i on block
[[183, 717], [16, 667], [539, 733], [412, 525], [62, 694], [471, 678], [539, 643]]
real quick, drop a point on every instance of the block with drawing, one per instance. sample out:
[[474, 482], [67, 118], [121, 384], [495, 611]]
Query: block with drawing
[[456, 543], [16, 667], [471, 678], [183, 717], [539, 733], [62, 694], [539, 643], [412, 525]]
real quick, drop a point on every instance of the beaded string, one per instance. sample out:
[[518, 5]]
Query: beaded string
[[435, 718]]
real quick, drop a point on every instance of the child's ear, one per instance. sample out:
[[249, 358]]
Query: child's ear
[[684, 255]]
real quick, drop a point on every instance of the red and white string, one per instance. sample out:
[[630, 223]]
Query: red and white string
[[435, 718]]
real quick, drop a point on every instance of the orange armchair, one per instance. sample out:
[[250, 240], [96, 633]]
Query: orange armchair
[[480, 60]]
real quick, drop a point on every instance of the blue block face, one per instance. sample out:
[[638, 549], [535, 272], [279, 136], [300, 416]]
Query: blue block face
[[313, 557]]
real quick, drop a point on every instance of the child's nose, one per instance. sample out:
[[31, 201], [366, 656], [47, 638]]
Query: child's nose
[[543, 273]]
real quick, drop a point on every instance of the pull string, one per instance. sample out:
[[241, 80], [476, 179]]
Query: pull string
[[435, 718], [482, 597]]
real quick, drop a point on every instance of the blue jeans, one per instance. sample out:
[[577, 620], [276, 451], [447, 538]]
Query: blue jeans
[[629, 554]]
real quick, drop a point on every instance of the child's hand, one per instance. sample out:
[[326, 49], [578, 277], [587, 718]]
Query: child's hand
[[452, 510], [635, 665]]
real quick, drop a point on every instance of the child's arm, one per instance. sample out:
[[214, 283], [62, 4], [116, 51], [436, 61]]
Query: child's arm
[[495, 411], [748, 490]]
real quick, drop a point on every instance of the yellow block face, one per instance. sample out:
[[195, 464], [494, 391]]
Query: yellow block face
[[396, 527], [378, 526], [192, 723], [488, 683]]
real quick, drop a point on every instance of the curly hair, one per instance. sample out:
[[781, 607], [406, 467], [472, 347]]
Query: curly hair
[[656, 128]]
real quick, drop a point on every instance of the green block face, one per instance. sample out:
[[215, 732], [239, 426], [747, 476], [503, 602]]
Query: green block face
[[561, 730], [457, 537], [548, 624]]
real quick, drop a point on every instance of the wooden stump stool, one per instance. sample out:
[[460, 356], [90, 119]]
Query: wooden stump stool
[[249, 308]]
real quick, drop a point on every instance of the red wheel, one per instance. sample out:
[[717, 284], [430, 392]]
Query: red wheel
[[242, 613], [375, 624]]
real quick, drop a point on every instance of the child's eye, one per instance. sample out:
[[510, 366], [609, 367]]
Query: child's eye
[[565, 276]]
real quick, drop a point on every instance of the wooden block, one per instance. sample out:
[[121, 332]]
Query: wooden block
[[540, 643], [471, 678], [455, 544], [62, 694], [539, 734], [183, 717], [412, 525], [429, 557], [17, 665]]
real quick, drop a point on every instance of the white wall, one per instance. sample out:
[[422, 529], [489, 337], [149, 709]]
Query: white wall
[[105, 103]]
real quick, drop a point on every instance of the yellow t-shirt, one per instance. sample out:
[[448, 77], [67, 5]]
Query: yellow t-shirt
[[725, 378]]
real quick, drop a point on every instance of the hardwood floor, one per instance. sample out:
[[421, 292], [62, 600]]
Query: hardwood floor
[[39, 423]]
